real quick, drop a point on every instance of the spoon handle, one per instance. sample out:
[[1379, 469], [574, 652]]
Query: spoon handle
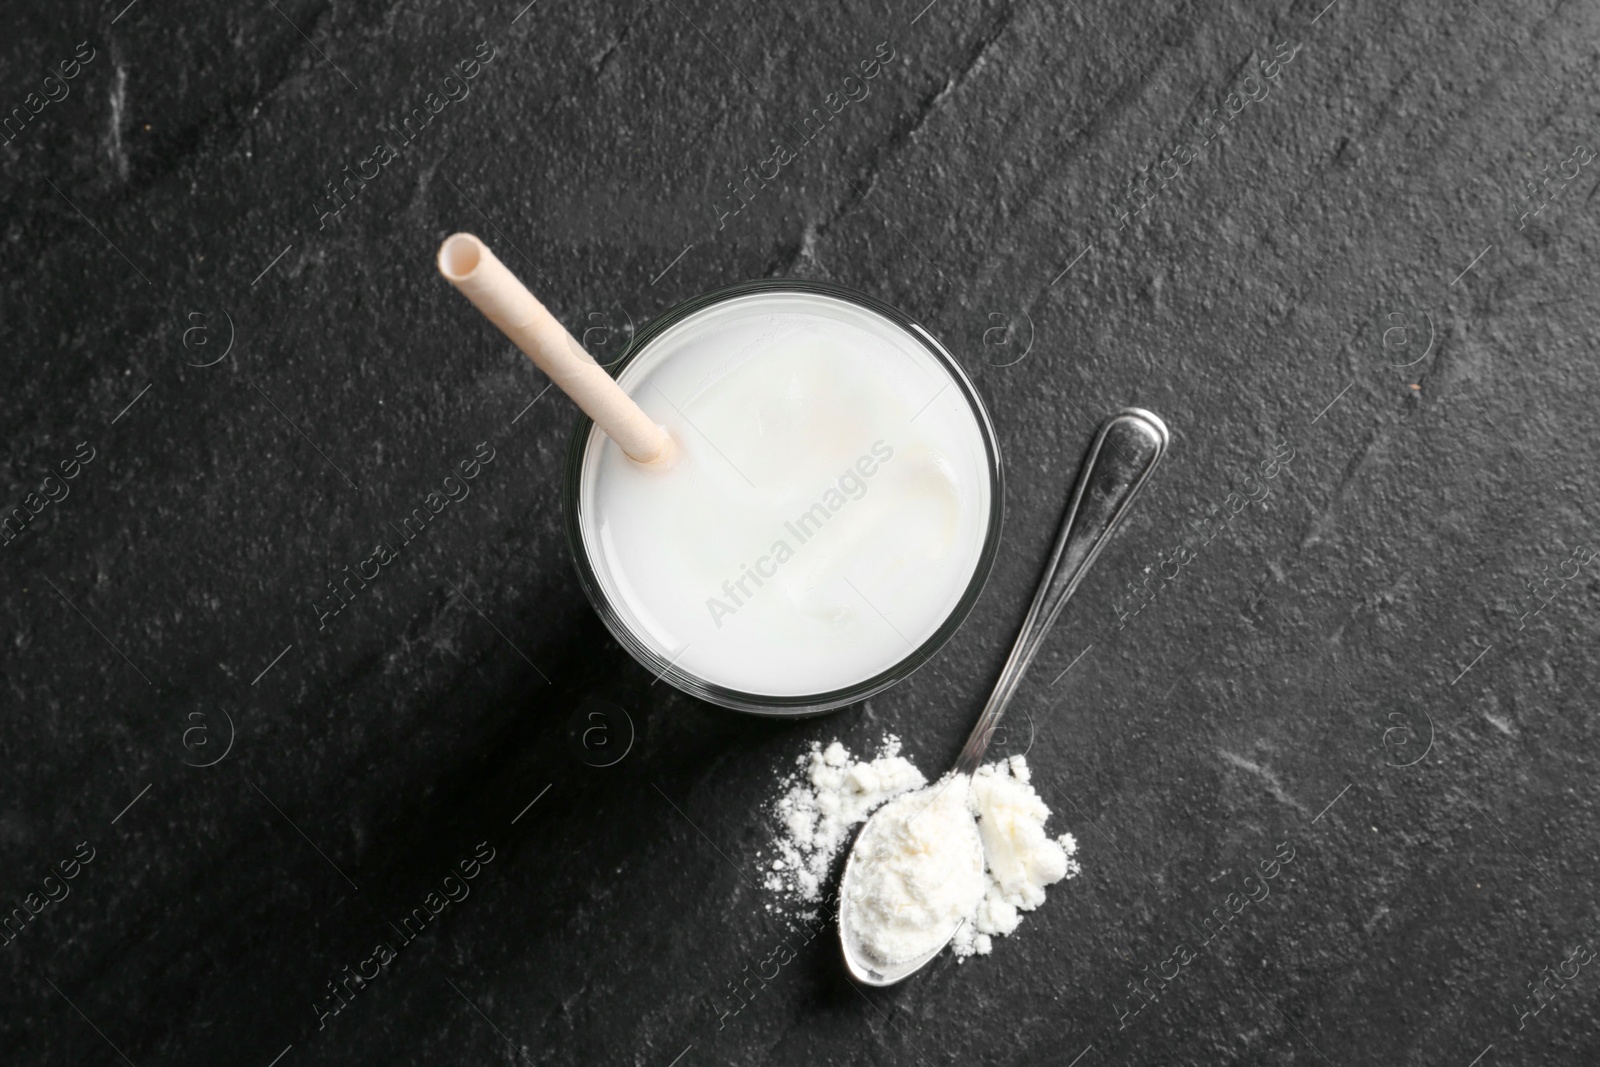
[[1125, 452]]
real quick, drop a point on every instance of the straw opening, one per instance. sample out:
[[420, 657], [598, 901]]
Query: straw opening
[[460, 256]]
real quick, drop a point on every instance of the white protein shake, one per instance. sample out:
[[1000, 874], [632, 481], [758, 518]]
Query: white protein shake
[[828, 509]]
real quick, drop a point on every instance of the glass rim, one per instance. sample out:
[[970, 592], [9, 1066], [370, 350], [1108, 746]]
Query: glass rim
[[759, 703]]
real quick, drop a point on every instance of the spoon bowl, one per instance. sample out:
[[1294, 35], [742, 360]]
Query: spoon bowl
[[1126, 450], [862, 967]]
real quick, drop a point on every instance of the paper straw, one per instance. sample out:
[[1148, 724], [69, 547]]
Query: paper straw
[[469, 265]]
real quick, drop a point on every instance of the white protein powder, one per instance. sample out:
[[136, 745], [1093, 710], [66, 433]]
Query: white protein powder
[[831, 794], [918, 879], [1020, 859], [918, 873]]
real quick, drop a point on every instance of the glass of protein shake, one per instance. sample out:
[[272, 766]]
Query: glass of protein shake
[[830, 515]]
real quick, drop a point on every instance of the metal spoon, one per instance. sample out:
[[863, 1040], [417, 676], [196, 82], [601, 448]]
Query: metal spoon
[[1124, 453]]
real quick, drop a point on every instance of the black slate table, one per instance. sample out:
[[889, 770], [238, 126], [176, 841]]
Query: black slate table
[[1348, 243]]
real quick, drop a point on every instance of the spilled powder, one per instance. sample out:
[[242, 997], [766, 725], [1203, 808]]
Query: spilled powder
[[922, 876], [1020, 858], [821, 806]]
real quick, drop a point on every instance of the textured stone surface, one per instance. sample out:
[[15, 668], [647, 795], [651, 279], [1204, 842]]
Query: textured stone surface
[[1364, 209]]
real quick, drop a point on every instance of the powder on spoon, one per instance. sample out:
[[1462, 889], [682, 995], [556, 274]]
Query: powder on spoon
[[917, 875], [917, 902]]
